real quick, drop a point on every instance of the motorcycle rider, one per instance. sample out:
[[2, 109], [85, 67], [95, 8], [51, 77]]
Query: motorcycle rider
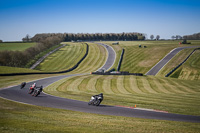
[[22, 85], [33, 86], [99, 95]]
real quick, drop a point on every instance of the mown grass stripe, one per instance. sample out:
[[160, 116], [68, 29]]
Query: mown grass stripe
[[134, 85], [127, 84], [99, 83], [114, 85], [120, 85], [181, 87], [64, 86], [92, 82], [166, 86], [107, 85], [141, 85], [83, 85], [153, 85], [74, 86], [147, 86], [160, 86]]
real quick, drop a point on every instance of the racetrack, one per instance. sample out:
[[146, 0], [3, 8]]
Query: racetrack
[[21, 95], [155, 69]]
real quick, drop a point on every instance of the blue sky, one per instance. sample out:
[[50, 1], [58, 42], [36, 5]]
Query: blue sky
[[157, 17]]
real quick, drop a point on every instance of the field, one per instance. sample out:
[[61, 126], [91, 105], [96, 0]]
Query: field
[[6, 69], [172, 95], [64, 58], [153, 92], [68, 56], [140, 60], [15, 46], [16, 117]]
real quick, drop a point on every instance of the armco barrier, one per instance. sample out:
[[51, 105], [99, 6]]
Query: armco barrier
[[167, 75], [117, 73], [68, 70], [120, 60]]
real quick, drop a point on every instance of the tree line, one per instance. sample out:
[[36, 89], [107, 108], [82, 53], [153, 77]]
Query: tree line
[[21, 58], [91, 36], [195, 36]]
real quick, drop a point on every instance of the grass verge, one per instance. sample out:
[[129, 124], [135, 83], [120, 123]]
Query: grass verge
[[16, 117], [172, 95]]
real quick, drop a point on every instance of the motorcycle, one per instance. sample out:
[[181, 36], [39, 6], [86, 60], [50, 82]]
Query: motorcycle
[[31, 90], [96, 100], [37, 91], [22, 85]]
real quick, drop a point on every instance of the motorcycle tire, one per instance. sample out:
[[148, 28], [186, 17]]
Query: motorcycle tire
[[90, 102], [97, 103], [37, 94], [30, 92]]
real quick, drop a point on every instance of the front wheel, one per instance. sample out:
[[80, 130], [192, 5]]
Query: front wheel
[[30, 92], [90, 102]]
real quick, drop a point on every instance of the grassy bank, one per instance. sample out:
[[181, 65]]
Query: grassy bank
[[140, 60], [64, 58], [190, 70], [172, 95], [16, 117]]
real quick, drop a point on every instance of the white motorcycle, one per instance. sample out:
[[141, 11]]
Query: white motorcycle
[[96, 100]]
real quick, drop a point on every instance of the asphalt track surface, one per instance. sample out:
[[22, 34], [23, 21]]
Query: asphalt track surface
[[154, 70], [21, 95]]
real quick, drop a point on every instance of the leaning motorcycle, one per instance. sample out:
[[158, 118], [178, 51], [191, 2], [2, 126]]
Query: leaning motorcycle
[[96, 100], [23, 84], [31, 90], [37, 91]]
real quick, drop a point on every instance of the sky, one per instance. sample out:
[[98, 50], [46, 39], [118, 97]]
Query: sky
[[152, 17]]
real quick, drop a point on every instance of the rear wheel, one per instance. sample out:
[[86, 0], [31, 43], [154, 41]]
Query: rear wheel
[[97, 102]]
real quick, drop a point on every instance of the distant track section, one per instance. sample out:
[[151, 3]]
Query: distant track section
[[111, 57], [154, 70]]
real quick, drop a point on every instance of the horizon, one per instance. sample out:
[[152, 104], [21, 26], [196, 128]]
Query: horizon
[[151, 17]]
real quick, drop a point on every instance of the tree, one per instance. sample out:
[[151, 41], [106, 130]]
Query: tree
[[27, 38], [152, 37], [157, 37], [1, 41], [173, 37], [178, 37]]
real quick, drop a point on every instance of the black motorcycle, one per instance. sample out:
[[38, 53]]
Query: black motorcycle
[[37, 91], [22, 85], [96, 100]]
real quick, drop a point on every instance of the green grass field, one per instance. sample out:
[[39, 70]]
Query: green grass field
[[95, 59], [18, 118], [15, 46], [190, 70], [152, 92], [172, 95], [6, 69], [68, 56], [140, 60], [64, 58]]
